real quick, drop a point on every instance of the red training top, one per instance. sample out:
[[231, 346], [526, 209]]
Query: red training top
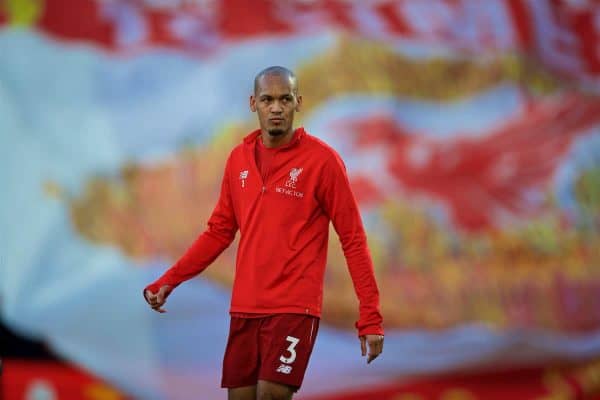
[[284, 226], [264, 158]]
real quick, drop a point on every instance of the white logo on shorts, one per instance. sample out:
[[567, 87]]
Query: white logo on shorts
[[284, 369]]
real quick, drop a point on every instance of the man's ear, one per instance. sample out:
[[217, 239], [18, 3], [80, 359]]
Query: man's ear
[[252, 103], [298, 102]]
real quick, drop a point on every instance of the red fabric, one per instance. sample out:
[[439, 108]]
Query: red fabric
[[284, 226], [276, 348], [264, 158], [249, 315]]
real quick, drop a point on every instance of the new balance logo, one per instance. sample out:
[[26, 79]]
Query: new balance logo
[[243, 176], [284, 369]]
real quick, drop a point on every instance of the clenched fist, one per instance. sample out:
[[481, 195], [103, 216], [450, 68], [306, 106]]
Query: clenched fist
[[157, 300]]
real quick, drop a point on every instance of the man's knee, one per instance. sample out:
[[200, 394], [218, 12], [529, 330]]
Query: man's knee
[[274, 391]]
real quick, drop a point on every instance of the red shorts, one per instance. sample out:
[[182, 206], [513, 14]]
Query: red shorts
[[274, 348]]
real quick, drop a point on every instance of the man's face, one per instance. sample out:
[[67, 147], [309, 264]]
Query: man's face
[[275, 101]]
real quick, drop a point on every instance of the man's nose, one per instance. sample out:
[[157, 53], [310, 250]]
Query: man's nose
[[276, 107]]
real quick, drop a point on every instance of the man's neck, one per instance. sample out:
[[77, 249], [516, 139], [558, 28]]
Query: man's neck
[[276, 141]]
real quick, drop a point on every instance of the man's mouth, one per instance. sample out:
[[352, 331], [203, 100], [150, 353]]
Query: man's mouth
[[276, 120]]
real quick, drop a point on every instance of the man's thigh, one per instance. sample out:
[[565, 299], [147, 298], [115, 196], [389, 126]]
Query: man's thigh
[[264, 390], [242, 393], [286, 343], [274, 391], [241, 361]]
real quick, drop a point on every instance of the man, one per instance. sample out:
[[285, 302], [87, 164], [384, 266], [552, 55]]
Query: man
[[281, 188]]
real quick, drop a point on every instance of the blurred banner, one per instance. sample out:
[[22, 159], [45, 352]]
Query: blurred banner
[[471, 134], [46, 380]]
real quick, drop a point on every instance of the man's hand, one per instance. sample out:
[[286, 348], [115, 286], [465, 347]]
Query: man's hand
[[157, 300], [375, 343]]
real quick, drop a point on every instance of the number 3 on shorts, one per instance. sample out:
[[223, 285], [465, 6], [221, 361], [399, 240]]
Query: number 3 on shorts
[[291, 348]]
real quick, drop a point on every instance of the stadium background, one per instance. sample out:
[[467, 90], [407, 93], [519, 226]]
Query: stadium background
[[470, 131]]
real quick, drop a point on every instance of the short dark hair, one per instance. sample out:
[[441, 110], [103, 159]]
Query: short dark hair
[[276, 71]]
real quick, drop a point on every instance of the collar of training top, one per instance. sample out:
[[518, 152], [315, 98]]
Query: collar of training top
[[299, 133]]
